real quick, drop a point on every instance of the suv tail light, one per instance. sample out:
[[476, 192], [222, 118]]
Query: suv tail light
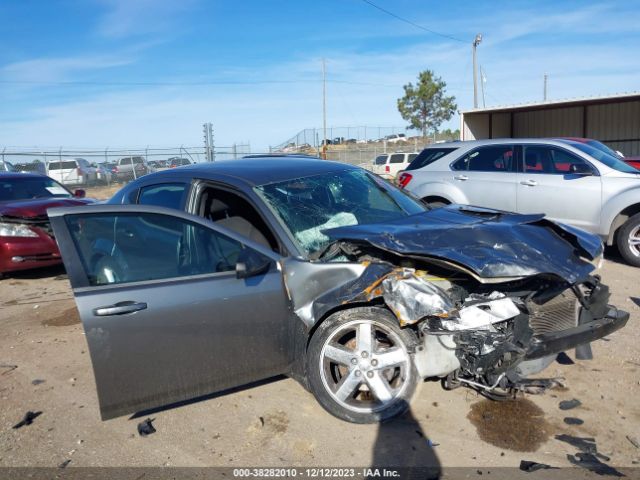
[[404, 180], [387, 169]]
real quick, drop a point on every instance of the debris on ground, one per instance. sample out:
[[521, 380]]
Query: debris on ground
[[569, 404], [37, 381], [634, 441], [564, 359], [431, 443], [591, 463], [584, 444], [528, 466], [28, 419], [64, 464], [146, 428], [573, 421], [8, 367]]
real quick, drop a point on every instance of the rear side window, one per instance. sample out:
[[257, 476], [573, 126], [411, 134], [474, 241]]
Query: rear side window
[[496, 158], [428, 156], [397, 158], [380, 160], [165, 195], [550, 160], [64, 165]]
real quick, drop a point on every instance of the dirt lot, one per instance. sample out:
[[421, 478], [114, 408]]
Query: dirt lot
[[45, 366]]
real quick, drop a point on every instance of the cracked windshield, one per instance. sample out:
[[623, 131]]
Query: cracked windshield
[[310, 205]]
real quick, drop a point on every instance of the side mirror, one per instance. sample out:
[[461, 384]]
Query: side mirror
[[580, 169], [251, 263], [79, 193]]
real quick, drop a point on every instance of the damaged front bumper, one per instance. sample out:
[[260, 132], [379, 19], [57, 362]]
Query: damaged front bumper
[[556, 342]]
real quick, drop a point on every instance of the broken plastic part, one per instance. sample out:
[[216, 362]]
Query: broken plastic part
[[483, 315], [411, 298]]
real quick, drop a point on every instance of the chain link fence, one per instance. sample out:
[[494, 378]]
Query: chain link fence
[[95, 166]]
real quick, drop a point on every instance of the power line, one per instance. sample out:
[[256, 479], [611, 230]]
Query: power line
[[398, 17], [181, 84]]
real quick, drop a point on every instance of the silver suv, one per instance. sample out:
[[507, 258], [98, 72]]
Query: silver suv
[[571, 182]]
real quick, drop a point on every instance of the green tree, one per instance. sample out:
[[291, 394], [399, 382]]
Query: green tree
[[425, 105]]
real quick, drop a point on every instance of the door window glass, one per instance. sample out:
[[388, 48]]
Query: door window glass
[[164, 195], [397, 158], [428, 156], [497, 158], [131, 247], [380, 160], [550, 160]]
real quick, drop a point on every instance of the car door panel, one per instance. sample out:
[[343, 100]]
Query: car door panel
[[157, 341], [545, 185], [486, 177]]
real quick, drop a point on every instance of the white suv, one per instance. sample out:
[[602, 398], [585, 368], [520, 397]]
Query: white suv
[[72, 171], [570, 182], [388, 165]]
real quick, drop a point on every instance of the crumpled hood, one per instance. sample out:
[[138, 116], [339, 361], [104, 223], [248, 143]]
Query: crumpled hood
[[490, 243], [37, 207]]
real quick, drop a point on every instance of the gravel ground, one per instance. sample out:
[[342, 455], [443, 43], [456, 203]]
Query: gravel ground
[[45, 366]]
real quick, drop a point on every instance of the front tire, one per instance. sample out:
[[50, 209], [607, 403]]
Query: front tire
[[628, 240], [359, 365]]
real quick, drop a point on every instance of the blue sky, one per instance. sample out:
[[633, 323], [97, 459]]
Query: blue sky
[[95, 73]]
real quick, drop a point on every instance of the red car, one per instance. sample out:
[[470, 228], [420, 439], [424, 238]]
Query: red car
[[26, 238], [633, 161]]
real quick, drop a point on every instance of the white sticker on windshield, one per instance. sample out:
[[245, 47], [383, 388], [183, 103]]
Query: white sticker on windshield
[[57, 191]]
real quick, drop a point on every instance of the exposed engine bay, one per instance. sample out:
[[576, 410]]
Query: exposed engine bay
[[486, 334]]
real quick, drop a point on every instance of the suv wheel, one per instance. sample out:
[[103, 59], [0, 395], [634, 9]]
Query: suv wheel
[[359, 365], [628, 240]]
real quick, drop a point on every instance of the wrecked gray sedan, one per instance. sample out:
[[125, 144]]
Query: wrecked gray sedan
[[203, 278]]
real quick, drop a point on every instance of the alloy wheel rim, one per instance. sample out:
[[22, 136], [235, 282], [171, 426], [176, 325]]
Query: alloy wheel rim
[[634, 241], [365, 366]]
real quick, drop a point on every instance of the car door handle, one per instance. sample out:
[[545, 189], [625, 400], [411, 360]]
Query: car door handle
[[461, 177], [529, 183], [119, 308]]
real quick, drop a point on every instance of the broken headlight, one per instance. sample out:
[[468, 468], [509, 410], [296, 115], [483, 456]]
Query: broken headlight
[[16, 230]]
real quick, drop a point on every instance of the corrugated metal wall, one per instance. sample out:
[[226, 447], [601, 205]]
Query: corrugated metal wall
[[559, 122], [616, 123]]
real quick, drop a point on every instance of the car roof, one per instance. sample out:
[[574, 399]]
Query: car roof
[[20, 175], [261, 171], [498, 141]]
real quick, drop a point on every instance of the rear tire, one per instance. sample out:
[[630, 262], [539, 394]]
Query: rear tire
[[628, 240], [359, 365]]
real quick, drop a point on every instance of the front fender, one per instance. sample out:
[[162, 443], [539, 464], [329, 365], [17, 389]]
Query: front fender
[[614, 206]]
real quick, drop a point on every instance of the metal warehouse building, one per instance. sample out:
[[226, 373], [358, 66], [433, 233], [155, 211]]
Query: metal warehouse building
[[614, 120]]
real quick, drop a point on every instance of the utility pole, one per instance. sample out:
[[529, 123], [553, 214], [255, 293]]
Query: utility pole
[[476, 42], [324, 110], [545, 87], [482, 81]]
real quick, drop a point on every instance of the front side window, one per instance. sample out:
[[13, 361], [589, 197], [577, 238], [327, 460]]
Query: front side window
[[496, 158], [164, 195], [550, 160], [309, 205], [134, 247]]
